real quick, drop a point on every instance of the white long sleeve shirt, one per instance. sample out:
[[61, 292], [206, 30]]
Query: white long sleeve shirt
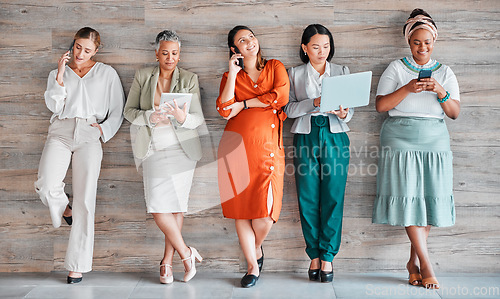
[[305, 86], [99, 93], [422, 104]]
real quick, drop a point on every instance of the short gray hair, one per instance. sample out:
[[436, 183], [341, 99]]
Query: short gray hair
[[168, 36]]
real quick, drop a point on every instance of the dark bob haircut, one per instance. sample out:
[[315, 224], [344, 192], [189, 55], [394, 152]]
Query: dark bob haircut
[[309, 32]]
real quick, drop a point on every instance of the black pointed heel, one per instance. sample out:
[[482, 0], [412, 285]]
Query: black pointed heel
[[71, 280], [249, 280], [260, 262], [68, 219]]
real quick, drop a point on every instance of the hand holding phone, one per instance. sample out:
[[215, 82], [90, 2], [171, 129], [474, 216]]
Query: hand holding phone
[[424, 74], [61, 64], [240, 60]]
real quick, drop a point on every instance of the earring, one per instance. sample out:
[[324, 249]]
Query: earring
[[305, 53]]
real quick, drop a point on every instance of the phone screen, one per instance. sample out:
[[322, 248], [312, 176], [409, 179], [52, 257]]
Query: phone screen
[[424, 74]]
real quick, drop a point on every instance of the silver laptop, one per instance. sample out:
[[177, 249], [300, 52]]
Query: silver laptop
[[350, 91]]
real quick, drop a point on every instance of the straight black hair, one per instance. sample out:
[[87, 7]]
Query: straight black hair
[[311, 31]]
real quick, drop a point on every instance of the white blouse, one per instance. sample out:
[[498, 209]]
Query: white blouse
[[423, 104], [305, 86], [313, 84], [99, 93]]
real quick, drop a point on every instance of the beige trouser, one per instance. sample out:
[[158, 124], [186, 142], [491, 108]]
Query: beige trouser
[[72, 140]]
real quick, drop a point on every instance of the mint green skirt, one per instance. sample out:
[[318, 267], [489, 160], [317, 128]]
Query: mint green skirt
[[415, 173]]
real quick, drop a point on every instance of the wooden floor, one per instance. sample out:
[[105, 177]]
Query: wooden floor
[[367, 37]]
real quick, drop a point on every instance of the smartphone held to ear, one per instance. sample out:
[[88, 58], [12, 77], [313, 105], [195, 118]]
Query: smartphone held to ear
[[71, 47], [240, 60], [424, 74]]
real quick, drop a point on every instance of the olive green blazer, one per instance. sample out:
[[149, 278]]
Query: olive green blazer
[[140, 106]]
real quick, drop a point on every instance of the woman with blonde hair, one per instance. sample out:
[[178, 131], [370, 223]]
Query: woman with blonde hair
[[86, 99]]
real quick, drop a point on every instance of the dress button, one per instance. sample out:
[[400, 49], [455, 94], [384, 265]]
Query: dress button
[[274, 111], [272, 167], [271, 154], [272, 126], [255, 86]]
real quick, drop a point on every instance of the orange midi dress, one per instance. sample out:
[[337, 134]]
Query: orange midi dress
[[251, 157]]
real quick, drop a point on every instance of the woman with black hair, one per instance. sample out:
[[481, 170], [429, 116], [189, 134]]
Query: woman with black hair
[[251, 158], [415, 177], [321, 155]]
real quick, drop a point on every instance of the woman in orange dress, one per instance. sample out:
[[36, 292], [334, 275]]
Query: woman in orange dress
[[251, 158]]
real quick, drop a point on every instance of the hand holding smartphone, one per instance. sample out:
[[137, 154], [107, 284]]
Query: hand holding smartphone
[[62, 64], [424, 74], [240, 60]]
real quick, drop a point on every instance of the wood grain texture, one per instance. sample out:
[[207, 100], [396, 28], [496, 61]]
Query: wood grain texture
[[367, 37]]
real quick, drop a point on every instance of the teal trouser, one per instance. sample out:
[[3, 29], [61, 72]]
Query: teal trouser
[[321, 160]]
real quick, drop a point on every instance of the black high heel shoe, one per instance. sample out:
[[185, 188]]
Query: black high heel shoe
[[71, 280], [260, 262], [326, 276], [68, 219], [249, 280], [313, 274]]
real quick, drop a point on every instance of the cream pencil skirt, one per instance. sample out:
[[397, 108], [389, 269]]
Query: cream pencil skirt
[[167, 173]]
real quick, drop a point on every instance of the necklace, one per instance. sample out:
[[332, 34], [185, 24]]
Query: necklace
[[82, 71]]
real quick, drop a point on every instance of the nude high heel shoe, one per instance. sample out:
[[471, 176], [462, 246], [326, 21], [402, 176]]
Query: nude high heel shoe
[[192, 272], [430, 283], [166, 279]]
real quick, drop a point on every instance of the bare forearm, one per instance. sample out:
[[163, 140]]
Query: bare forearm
[[228, 92], [389, 101], [254, 103], [451, 108]]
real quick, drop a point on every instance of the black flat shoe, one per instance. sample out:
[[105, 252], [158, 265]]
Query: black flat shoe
[[313, 274], [68, 219], [260, 262], [326, 276], [249, 280], [74, 279]]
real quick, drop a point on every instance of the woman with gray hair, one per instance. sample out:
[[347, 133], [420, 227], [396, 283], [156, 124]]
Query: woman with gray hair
[[166, 143]]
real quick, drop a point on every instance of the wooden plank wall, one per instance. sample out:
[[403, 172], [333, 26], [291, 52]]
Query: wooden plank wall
[[367, 37]]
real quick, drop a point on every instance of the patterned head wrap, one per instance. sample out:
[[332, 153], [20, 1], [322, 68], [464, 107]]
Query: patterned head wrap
[[426, 23]]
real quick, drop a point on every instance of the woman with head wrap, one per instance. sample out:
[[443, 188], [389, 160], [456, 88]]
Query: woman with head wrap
[[415, 178]]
